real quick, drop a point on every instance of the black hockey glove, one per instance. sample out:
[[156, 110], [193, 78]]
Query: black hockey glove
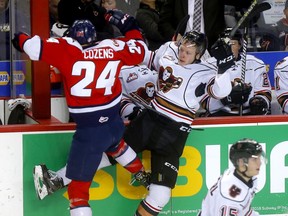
[[223, 53], [20, 36], [238, 95], [258, 106], [124, 22], [136, 111]]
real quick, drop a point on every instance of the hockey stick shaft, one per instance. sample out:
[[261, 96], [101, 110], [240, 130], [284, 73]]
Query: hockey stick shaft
[[181, 27], [243, 67], [243, 18], [137, 101], [251, 12]]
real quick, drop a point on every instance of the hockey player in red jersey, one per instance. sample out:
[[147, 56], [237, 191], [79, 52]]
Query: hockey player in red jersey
[[93, 93], [134, 79], [234, 191]]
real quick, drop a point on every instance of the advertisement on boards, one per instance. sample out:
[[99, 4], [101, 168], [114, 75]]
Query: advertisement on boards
[[204, 159], [18, 79]]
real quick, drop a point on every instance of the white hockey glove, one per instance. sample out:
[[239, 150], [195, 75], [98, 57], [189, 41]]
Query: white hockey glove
[[12, 103]]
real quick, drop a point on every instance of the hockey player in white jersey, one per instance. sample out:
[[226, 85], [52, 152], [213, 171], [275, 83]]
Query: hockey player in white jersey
[[184, 86], [281, 84], [235, 189], [184, 83], [140, 83], [256, 91]]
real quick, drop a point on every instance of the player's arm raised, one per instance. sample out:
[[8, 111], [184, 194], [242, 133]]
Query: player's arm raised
[[136, 50], [45, 49], [125, 23]]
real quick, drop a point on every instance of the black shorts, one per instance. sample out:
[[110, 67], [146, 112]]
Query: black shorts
[[163, 137]]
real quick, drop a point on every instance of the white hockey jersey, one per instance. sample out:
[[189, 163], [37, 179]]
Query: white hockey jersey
[[255, 74], [182, 89], [281, 83], [140, 83], [230, 196]]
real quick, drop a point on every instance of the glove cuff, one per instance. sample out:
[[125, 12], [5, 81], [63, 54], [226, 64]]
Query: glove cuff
[[22, 39]]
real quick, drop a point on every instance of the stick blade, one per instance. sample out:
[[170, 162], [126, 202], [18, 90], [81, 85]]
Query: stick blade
[[255, 11], [259, 8]]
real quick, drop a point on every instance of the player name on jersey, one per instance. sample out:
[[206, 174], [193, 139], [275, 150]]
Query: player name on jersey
[[99, 53]]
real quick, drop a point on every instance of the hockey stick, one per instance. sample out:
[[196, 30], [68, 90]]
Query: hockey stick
[[243, 18], [256, 9], [138, 100], [181, 27], [243, 67], [251, 12]]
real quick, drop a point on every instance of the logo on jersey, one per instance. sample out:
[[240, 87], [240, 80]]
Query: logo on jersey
[[234, 191], [131, 77], [167, 80], [103, 119], [146, 93], [115, 43], [144, 70]]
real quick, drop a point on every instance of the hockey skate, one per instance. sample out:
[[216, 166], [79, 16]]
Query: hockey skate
[[46, 181], [143, 178]]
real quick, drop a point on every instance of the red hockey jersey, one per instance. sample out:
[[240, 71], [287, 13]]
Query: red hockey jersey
[[90, 76]]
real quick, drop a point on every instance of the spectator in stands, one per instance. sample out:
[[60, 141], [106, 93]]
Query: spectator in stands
[[147, 16], [4, 30], [212, 18], [230, 16], [252, 98], [53, 12], [281, 84], [278, 40], [5, 27], [111, 5], [71, 10]]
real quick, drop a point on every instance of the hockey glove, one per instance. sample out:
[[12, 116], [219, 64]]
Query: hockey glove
[[258, 106], [18, 40], [223, 53], [238, 95], [123, 22], [136, 111]]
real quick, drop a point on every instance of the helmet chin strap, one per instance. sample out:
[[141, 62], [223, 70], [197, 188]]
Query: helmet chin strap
[[244, 172]]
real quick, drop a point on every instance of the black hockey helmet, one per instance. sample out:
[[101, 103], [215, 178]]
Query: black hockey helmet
[[245, 148], [83, 31], [197, 38]]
